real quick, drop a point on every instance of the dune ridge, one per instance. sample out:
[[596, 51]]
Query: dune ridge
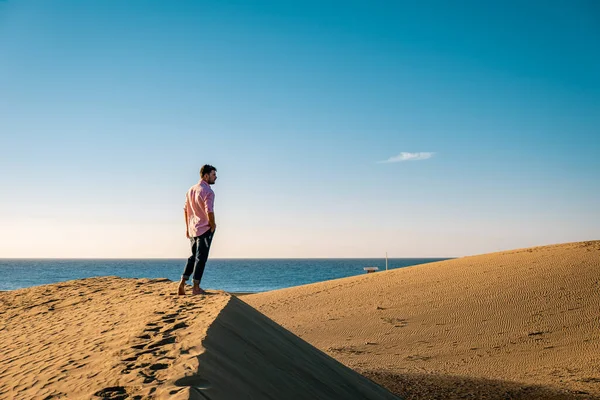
[[516, 324], [113, 338]]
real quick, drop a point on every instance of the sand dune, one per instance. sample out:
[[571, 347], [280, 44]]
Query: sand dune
[[521, 324], [111, 338]]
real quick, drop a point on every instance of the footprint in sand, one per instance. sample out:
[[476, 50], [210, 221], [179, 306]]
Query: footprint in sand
[[164, 341], [346, 349], [397, 322], [153, 339], [158, 366], [417, 357], [194, 381], [179, 325], [112, 393]]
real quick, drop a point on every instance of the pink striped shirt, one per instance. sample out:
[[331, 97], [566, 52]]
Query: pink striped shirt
[[199, 201]]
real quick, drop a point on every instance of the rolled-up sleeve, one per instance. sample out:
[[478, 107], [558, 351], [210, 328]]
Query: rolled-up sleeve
[[209, 202]]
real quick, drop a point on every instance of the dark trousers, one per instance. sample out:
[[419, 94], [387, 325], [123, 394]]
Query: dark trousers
[[197, 261]]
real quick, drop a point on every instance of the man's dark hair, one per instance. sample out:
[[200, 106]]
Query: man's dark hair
[[206, 169]]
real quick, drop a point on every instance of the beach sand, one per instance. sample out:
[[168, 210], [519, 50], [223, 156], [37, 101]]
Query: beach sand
[[112, 338], [522, 324]]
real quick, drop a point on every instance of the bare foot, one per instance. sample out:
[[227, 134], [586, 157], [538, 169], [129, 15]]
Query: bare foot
[[197, 290], [181, 290]]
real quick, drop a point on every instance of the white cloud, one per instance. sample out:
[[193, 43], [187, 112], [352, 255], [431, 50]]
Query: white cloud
[[408, 157]]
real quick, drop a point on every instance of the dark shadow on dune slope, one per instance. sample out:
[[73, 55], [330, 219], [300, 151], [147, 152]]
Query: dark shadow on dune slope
[[248, 356], [429, 386]]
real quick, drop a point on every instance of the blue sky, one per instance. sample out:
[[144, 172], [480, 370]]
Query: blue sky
[[109, 108]]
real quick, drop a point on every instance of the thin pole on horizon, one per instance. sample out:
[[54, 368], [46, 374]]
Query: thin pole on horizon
[[386, 261]]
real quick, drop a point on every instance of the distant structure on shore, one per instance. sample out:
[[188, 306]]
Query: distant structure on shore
[[371, 269]]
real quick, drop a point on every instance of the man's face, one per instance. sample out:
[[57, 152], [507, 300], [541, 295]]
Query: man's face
[[212, 177]]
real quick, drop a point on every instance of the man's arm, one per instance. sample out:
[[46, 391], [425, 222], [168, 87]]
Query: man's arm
[[211, 221], [185, 215], [210, 211], [187, 227]]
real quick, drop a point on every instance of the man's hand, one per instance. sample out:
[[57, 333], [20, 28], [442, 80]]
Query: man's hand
[[213, 227], [187, 234]]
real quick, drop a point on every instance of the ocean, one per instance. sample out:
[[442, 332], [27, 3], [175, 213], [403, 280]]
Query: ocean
[[232, 275]]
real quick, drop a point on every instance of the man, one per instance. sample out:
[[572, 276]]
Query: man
[[199, 226]]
